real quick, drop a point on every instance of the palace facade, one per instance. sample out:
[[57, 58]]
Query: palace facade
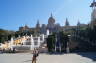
[[52, 26]]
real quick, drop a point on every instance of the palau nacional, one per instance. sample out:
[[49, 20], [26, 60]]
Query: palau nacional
[[42, 31]]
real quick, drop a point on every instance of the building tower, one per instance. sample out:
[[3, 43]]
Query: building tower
[[66, 22], [38, 24], [43, 29], [78, 24], [38, 27], [93, 14]]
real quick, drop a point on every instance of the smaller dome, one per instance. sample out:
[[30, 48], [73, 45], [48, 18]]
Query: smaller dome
[[26, 26]]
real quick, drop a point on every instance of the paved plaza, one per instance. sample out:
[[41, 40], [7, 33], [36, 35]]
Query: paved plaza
[[45, 58]]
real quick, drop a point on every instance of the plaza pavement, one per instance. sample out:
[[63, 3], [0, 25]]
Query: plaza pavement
[[44, 58]]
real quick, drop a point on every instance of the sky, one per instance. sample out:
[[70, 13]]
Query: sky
[[17, 13]]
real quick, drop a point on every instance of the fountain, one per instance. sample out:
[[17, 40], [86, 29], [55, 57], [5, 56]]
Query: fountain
[[67, 49], [47, 33], [38, 41], [24, 40], [11, 43], [32, 43], [42, 37], [60, 47], [57, 44]]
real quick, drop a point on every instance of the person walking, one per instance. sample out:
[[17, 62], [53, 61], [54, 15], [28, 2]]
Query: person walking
[[35, 54]]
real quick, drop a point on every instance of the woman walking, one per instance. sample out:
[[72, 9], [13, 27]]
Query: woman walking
[[35, 54]]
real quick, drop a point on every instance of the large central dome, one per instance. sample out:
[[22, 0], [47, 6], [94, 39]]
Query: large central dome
[[51, 20]]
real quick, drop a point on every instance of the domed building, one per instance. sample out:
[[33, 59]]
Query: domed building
[[51, 24], [51, 20], [25, 28]]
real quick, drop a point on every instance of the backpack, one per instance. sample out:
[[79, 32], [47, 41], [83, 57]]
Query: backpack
[[36, 55]]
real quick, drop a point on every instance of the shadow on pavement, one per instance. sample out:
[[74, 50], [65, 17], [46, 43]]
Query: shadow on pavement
[[27, 60], [91, 55], [55, 53]]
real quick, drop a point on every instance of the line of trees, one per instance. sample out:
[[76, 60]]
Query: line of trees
[[86, 38], [51, 41], [6, 35]]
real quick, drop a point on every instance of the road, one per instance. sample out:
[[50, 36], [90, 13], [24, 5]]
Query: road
[[44, 58]]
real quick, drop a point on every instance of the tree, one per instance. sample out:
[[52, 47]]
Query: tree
[[86, 38], [51, 42], [4, 35], [61, 37]]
